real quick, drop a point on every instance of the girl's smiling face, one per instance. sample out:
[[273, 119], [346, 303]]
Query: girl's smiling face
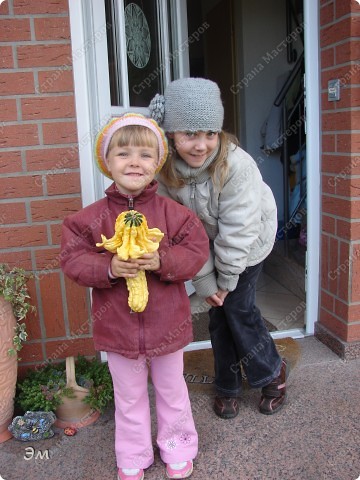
[[195, 147], [132, 159]]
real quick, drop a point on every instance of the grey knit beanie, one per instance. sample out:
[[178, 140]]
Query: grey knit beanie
[[189, 105]]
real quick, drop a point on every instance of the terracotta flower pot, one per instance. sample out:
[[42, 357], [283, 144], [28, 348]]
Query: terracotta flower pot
[[73, 412], [8, 369]]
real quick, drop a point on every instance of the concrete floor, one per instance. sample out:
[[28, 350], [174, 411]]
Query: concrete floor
[[314, 437]]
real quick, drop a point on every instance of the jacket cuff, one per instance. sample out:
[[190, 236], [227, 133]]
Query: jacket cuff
[[205, 286], [227, 282]]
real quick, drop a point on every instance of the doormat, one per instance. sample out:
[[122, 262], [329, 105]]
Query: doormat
[[200, 323], [199, 364]]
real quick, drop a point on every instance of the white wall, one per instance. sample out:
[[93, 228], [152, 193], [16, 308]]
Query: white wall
[[261, 35]]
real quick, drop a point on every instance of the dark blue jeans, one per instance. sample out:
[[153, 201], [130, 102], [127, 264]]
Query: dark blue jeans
[[240, 340]]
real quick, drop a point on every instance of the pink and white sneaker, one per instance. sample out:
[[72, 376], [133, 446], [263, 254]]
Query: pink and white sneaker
[[179, 470], [130, 474]]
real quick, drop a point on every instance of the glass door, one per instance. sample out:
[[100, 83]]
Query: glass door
[[144, 50]]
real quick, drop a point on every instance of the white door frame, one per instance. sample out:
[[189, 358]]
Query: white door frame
[[93, 109]]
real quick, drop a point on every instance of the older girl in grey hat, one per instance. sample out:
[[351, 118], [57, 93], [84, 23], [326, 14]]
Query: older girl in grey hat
[[208, 172]]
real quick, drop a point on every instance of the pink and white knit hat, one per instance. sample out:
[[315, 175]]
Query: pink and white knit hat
[[104, 136]]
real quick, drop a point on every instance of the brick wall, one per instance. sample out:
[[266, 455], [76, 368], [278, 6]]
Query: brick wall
[[39, 171], [339, 319]]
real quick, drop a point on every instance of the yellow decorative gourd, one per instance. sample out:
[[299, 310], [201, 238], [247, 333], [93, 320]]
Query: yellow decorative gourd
[[132, 239]]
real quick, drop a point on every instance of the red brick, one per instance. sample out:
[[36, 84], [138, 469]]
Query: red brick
[[14, 29], [349, 97], [6, 57], [8, 111], [353, 333], [17, 258], [333, 272], [341, 165], [19, 135], [78, 307], [31, 352], [55, 233], [327, 301], [24, 7], [33, 329], [337, 121], [61, 349], [33, 319], [59, 132], [29, 236], [4, 8], [336, 206], [333, 324], [47, 260], [335, 33], [344, 229], [344, 272], [347, 52], [56, 81], [12, 213], [355, 230], [21, 186], [348, 187], [341, 309], [63, 183], [355, 280], [327, 57], [324, 260], [345, 7], [48, 107], [326, 105], [16, 83], [52, 158], [10, 162], [347, 74], [51, 296], [48, 28], [328, 224], [44, 210], [328, 183], [351, 76], [56, 55], [327, 14], [328, 142]]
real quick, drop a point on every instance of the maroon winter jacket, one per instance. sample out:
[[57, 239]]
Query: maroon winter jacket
[[165, 325]]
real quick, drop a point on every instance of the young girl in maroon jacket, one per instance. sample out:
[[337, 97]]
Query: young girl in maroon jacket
[[131, 149]]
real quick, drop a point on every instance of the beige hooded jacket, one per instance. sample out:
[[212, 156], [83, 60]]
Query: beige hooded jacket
[[240, 220]]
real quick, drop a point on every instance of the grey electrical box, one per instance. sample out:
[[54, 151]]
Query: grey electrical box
[[333, 90]]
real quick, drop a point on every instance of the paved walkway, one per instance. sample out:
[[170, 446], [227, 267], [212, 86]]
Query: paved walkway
[[315, 437]]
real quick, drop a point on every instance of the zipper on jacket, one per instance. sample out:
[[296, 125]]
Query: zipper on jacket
[[192, 195], [131, 203]]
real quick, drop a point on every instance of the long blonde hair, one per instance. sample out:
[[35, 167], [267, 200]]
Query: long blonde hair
[[218, 169]]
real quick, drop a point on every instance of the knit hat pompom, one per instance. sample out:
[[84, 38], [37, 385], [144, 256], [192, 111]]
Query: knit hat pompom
[[104, 136], [189, 105], [157, 108]]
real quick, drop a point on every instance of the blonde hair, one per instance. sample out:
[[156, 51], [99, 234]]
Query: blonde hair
[[134, 135], [218, 169]]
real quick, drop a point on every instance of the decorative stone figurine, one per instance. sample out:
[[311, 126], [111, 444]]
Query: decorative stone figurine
[[33, 426]]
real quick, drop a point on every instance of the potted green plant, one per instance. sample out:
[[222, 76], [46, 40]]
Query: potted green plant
[[14, 306], [75, 398]]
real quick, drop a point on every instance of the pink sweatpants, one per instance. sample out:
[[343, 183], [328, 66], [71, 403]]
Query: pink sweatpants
[[177, 438]]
